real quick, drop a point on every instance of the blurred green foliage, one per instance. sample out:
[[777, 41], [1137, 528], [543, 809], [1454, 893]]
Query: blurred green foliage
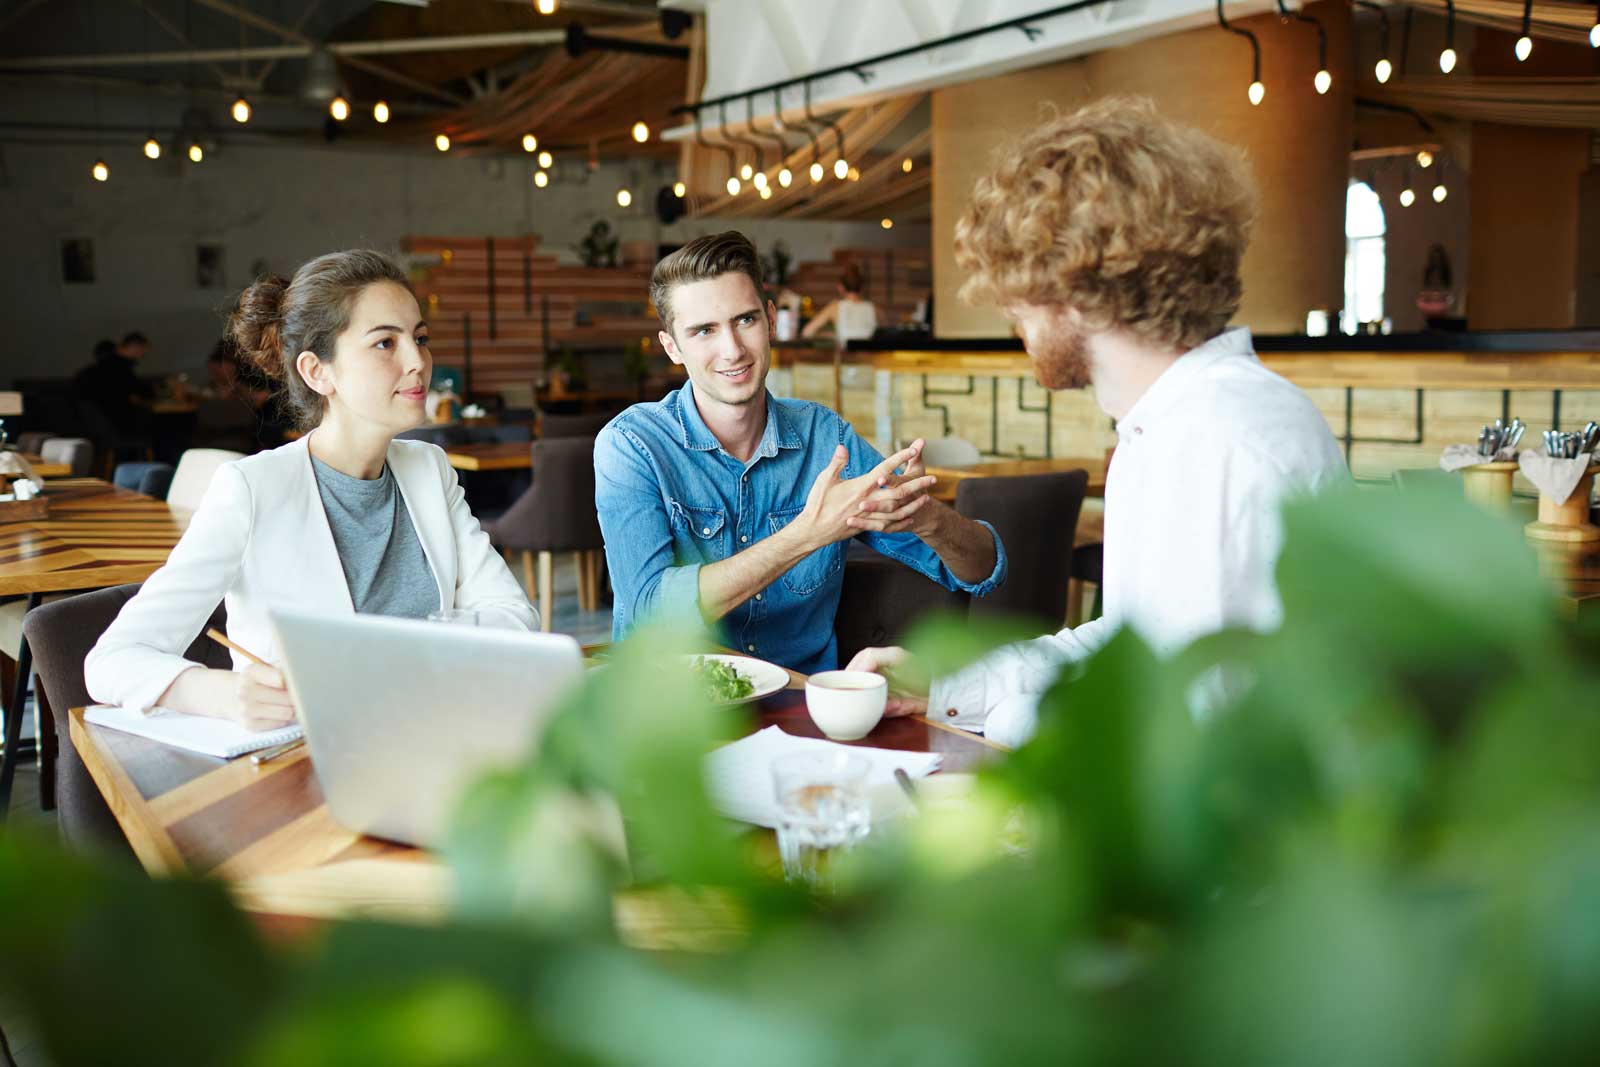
[[1371, 837]]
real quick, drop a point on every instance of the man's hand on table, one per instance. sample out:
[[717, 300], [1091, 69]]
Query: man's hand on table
[[908, 689]]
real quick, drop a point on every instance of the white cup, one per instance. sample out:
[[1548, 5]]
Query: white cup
[[846, 705]]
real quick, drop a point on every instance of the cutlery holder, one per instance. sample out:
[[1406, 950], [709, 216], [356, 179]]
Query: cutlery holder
[[1489, 484], [1567, 521]]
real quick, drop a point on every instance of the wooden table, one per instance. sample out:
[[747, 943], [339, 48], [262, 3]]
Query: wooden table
[[45, 468], [95, 536], [513, 456], [998, 468], [266, 831]]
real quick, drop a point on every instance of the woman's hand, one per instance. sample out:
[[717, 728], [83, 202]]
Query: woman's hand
[[261, 698]]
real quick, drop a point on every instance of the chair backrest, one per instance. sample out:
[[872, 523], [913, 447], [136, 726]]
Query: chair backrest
[[589, 425], [33, 440], [510, 435], [78, 452], [194, 473], [881, 600], [950, 452], [442, 434], [61, 633], [557, 514], [1036, 516], [151, 479]]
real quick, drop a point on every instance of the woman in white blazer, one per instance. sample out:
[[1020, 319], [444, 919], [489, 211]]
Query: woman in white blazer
[[346, 340]]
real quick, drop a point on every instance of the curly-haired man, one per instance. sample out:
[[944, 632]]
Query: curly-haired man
[[1112, 240]]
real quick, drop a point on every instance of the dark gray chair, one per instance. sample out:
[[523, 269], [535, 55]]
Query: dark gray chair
[[882, 600], [1088, 565], [60, 635], [444, 436], [556, 425], [151, 479], [556, 515], [1036, 516], [34, 440]]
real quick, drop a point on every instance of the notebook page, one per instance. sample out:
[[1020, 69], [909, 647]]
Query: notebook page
[[222, 738]]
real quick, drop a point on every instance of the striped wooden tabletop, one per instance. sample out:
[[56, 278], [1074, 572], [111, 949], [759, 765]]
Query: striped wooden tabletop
[[45, 468], [95, 536], [265, 830]]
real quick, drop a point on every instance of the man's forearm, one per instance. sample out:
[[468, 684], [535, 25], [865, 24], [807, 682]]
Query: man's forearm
[[966, 547], [726, 584]]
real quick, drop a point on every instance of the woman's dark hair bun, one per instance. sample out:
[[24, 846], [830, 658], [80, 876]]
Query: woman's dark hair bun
[[256, 325]]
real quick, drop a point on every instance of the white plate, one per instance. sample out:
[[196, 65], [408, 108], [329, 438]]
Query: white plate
[[769, 678]]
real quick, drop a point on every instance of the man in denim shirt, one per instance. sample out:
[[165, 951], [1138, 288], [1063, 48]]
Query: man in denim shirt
[[722, 502]]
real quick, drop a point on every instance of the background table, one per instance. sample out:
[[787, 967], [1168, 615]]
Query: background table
[[514, 456], [949, 477], [95, 536], [44, 468], [266, 830]]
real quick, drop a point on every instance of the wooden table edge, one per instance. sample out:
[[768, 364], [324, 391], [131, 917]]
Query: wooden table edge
[[157, 852]]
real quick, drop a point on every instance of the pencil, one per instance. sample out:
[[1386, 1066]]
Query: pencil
[[220, 638]]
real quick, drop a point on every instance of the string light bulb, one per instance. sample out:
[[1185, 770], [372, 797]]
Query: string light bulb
[[196, 153], [761, 179], [1407, 197], [1439, 193], [530, 143], [1447, 58], [1525, 42], [1594, 31], [1447, 61], [1257, 93], [339, 108], [786, 177], [641, 132], [241, 110], [380, 111], [817, 172], [887, 224], [100, 171], [1322, 82], [766, 192], [546, 7], [841, 169], [541, 178], [746, 171], [546, 160], [624, 198], [152, 149], [680, 190], [906, 165], [853, 174], [1383, 70], [1424, 158], [442, 142], [733, 185]]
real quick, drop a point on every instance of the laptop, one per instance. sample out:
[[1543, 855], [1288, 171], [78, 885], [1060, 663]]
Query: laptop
[[402, 715]]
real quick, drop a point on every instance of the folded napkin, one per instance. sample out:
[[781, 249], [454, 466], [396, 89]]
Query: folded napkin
[[739, 775], [1459, 457], [12, 465], [1554, 476]]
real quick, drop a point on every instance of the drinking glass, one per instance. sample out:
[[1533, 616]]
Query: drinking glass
[[822, 805], [455, 616]]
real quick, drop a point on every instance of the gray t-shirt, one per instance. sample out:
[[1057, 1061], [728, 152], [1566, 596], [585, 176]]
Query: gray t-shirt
[[384, 565]]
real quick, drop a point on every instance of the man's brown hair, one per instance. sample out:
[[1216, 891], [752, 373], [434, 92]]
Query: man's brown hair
[[702, 259]]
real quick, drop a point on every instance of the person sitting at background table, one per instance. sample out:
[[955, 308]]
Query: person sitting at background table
[[346, 519], [723, 502], [852, 316], [112, 384], [1112, 240]]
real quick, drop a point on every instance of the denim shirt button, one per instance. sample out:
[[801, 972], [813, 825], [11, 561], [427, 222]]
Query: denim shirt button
[[758, 596], [706, 531], [743, 539], [752, 648]]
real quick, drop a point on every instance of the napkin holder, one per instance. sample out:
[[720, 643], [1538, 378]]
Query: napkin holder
[[30, 510], [1489, 484], [1566, 522]]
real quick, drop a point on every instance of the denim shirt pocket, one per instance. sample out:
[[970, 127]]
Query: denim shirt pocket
[[813, 572], [704, 530]]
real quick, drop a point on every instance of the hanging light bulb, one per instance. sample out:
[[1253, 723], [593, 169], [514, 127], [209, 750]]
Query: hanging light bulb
[[152, 149], [241, 110], [380, 111], [1258, 93], [641, 132], [761, 179], [1525, 42], [624, 198], [100, 171], [530, 143], [541, 178], [196, 153], [1383, 70], [1447, 58], [887, 224], [442, 142], [786, 177], [1424, 158], [679, 190], [1447, 61], [1407, 197], [853, 174], [766, 192], [1322, 82], [841, 169], [733, 185], [1439, 193], [746, 171], [546, 7], [1594, 31], [817, 172], [339, 108], [546, 160]]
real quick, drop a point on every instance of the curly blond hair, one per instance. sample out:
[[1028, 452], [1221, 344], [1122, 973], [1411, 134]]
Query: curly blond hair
[[1134, 221]]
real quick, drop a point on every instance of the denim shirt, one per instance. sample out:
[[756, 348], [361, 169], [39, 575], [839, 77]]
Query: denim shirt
[[670, 500]]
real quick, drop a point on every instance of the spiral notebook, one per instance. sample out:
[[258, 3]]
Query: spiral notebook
[[195, 733]]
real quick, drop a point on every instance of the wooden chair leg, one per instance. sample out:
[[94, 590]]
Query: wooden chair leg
[[596, 561], [547, 591], [582, 559], [1074, 601], [528, 581]]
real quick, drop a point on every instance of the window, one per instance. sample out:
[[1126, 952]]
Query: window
[[1363, 258]]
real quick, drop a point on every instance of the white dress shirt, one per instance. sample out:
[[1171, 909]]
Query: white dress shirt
[[1204, 460], [260, 540]]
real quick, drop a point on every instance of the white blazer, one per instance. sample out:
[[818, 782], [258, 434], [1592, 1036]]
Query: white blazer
[[260, 540]]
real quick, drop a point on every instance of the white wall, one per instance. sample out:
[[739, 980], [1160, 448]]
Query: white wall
[[278, 206]]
